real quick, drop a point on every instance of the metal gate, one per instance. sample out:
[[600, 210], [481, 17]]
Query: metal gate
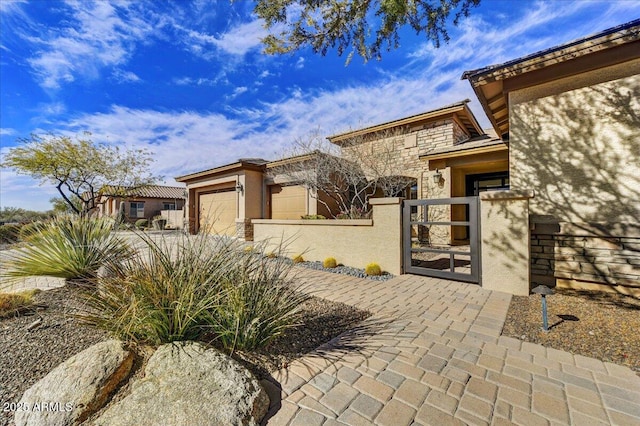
[[438, 246]]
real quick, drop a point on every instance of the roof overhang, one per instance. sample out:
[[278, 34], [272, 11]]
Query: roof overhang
[[465, 150], [492, 84], [253, 164], [460, 111]]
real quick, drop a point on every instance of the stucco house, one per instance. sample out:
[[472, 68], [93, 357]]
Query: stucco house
[[146, 203], [225, 199], [571, 116], [564, 148]]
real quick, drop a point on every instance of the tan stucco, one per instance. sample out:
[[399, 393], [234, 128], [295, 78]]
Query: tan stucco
[[352, 242], [576, 142], [504, 235]]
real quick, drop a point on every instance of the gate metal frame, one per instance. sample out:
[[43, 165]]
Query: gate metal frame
[[474, 239]]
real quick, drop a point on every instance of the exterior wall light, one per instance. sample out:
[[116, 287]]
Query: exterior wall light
[[543, 291], [239, 188], [437, 177]]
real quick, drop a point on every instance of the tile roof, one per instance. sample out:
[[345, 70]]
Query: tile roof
[[154, 191]]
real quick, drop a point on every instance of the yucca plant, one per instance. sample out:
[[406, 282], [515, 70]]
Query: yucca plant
[[68, 247]]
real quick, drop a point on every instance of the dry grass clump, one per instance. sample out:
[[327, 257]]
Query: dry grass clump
[[13, 303]]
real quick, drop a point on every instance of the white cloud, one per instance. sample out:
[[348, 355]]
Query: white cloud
[[243, 38], [220, 78], [7, 131], [101, 34], [300, 63], [122, 76]]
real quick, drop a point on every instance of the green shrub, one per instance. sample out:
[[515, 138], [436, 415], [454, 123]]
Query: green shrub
[[312, 217], [68, 247], [298, 258], [9, 234], [373, 269], [330, 262], [142, 223]]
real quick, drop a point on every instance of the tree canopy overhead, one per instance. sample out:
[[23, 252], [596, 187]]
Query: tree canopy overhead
[[363, 27], [82, 170]]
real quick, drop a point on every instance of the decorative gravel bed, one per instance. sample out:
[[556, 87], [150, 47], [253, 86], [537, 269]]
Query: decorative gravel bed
[[27, 356], [346, 270], [605, 326]]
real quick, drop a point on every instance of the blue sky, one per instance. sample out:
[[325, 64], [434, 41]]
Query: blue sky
[[187, 79]]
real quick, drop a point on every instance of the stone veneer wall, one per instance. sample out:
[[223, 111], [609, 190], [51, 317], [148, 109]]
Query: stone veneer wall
[[591, 256], [408, 145], [244, 229]]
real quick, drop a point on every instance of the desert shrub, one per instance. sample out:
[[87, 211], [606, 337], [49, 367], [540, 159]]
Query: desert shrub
[[142, 223], [68, 247], [258, 304], [249, 249], [373, 269], [312, 217], [9, 234], [298, 258], [162, 294], [10, 303], [330, 262], [29, 229], [170, 292], [271, 255]]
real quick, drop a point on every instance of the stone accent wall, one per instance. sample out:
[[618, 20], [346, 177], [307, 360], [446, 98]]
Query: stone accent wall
[[244, 229], [409, 144], [587, 255]]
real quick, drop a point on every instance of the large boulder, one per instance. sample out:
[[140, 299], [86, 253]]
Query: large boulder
[[186, 383], [77, 388]]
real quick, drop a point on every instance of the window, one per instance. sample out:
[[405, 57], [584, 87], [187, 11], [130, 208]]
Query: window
[[136, 209], [168, 206]]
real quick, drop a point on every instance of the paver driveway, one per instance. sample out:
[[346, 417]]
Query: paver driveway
[[432, 354]]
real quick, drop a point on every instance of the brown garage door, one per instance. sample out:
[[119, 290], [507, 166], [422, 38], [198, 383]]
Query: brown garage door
[[288, 202], [218, 212]]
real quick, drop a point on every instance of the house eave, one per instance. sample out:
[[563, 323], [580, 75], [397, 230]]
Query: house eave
[[492, 84], [460, 109], [465, 152]]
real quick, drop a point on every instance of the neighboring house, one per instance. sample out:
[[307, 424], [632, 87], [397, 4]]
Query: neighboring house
[[146, 203], [571, 115], [225, 199]]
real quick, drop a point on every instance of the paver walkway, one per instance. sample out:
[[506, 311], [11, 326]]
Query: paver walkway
[[432, 354]]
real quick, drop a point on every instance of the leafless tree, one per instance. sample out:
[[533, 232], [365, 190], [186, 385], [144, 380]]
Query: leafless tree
[[345, 177]]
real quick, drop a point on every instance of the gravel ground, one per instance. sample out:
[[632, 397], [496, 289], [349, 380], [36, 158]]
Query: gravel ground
[[346, 270], [605, 326], [27, 356]]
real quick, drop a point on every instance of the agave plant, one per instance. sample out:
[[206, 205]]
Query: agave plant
[[68, 247]]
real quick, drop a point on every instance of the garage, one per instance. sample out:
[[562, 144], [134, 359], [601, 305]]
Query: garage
[[218, 212], [288, 202]]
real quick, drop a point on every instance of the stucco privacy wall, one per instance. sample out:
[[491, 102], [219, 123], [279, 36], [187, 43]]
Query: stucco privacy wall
[[504, 236], [576, 141], [352, 242]]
